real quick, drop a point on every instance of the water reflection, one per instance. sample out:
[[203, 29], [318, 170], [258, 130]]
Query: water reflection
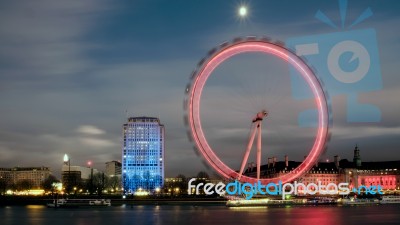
[[35, 206], [196, 215]]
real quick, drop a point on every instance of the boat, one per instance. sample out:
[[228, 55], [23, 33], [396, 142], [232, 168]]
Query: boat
[[259, 202], [359, 201], [390, 199], [100, 202], [322, 201], [57, 203], [74, 203], [240, 202]]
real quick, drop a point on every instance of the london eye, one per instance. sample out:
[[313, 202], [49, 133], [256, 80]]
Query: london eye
[[262, 116]]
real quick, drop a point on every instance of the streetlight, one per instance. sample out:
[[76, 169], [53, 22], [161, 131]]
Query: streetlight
[[158, 191], [89, 163], [68, 160]]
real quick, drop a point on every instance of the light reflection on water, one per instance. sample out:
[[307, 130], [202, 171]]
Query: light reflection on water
[[196, 215], [35, 206]]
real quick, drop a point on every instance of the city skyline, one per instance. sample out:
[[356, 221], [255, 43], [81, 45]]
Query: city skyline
[[72, 72]]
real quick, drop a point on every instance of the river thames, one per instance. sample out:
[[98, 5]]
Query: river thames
[[194, 215]]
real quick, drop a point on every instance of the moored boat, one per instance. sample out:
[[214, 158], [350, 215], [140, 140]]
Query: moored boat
[[359, 201], [278, 202], [390, 199], [73, 203]]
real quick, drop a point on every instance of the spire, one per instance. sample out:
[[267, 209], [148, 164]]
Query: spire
[[357, 157]]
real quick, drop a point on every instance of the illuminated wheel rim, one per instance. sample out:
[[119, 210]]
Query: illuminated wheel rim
[[193, 104]]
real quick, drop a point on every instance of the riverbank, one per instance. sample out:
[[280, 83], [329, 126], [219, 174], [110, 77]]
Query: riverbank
[[115, 200]]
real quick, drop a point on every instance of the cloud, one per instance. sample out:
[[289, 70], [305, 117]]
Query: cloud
[[44, 40], [354, 133], [89, 129], [98, 143], [5, 153]]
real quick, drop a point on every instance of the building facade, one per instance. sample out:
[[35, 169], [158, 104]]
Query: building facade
[[113, 168], [384, 173], [82, 172], [356, 173], [74, 176], [143, 155], [35, 175]]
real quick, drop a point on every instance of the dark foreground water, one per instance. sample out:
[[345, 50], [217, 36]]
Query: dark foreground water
[[191, 215]]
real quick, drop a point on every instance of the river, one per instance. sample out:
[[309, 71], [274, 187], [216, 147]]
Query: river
[[196, 215]]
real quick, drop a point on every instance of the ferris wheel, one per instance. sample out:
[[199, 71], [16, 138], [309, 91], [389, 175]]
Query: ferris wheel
[[194, 105]]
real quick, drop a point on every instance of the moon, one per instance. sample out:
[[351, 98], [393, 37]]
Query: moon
[[242, 11]]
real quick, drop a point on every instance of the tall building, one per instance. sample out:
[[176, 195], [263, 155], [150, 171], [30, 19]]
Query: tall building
[[142, 154], [113, 168]]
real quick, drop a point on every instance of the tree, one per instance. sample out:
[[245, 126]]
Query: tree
[[203, 175], [24, 185], [97, 183], [114, 182], [182, 183], [5, 183], [48, 183], [146, 181]]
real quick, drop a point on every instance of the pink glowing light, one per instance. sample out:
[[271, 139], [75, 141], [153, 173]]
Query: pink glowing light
[[271, 49]]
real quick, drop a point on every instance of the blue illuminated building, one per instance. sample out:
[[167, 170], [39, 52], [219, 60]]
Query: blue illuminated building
[[143, 155]]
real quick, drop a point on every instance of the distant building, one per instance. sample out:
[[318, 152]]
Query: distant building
[[81, 171], [324, 172], [113, 168], [174, 186], [6, 175], [384, 173], [73, 176], [356, 173], [36, 175], [142, 154]]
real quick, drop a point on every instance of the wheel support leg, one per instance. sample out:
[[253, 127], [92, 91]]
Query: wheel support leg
[[249, 145]]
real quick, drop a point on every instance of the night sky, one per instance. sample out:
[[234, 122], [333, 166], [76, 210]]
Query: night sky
[[69, 71]]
